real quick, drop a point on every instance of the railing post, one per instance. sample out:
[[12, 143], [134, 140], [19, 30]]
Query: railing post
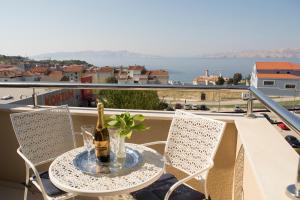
[[250, 106], [34, 99], [293, 190]]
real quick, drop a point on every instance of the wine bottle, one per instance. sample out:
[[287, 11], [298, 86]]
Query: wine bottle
[[101, 141]]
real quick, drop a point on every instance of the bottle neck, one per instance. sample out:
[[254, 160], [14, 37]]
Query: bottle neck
[[100, 121]]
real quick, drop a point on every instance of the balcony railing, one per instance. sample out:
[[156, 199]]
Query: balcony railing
[[290, 119]]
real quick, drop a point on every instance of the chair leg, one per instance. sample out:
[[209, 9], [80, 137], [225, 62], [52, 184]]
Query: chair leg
[[26, 183]]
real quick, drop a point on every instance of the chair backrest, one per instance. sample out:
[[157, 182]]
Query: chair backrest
[[193, 141], [45, 134]]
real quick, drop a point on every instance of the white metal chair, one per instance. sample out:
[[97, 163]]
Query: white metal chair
[[190, 147], [43, 135]]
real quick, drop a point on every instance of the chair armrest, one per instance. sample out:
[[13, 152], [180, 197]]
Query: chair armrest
[[154, 143], [181, 181]]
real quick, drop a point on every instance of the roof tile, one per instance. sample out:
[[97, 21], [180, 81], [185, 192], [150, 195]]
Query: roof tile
[[278, 76], [277, 66]]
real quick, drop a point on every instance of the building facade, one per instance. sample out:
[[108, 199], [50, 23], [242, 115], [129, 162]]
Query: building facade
[[73, 72], [206, 79], [276, 78]]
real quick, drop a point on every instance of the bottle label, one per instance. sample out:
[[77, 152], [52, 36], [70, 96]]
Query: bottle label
[[101, 148]]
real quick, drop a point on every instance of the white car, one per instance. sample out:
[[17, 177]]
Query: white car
[[7, 97], [187, 107]]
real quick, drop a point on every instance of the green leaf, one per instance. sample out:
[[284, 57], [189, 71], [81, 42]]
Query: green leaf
[[139, 127], [114, 117], [139, 117], [113, 123], [126, 123], [128, 135], [122, 123]]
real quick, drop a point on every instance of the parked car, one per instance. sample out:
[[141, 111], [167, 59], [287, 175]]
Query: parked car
[[169, 108], [269, 119], [203, 107], [283, 126], [238, 109], [195, 107], [7, 97], [293, 141], [187, 107], [178, 106]]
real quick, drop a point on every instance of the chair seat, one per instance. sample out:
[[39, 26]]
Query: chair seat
[[50, 189], [158, 190]]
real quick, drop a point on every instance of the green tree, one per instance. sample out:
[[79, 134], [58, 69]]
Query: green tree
[[220, 81], [128, 99], [230, 81], [237, 77], [65, 78], [111, 80]]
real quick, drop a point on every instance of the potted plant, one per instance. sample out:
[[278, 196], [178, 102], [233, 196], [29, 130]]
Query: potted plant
[[122, 126]]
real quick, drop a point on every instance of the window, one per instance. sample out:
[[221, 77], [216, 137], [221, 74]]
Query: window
[[269, 83], [290, 86], [203, 96], [287, 72], [277, 72]]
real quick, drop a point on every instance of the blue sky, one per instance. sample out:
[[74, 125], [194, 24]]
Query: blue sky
[[159, 27]]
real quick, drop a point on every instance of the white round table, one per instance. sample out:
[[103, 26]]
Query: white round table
[[65, 176]]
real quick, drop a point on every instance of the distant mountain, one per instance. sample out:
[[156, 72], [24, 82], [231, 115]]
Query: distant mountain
[[129, 58], [99, 57], [275, 53]]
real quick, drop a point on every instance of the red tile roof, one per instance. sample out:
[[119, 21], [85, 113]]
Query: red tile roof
[[277, 66], [73, 68], [41, 70], [106, 69], [28, 73], [136, 67], [158, 73], [6, 66], [10, 73], [278, 76]]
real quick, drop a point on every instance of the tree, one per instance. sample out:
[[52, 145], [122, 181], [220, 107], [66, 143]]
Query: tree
[[237, 77], [230, 81], [65, 78], [128, 99], [112, 79], [220, 81]]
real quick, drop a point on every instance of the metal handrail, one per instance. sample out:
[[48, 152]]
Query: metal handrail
[[62, 85], [290, 119]]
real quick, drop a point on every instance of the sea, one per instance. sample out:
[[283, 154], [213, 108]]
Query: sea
[[186, 69]]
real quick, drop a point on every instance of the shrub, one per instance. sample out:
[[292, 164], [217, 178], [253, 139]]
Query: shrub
[[128, 99]]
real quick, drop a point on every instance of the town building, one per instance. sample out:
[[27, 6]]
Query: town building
[[276, 78], [206, 79], [10, 73], [158, 76], [73, 73], [139, 75], [29, 76], [134, 72], [100, 74], [53, 76]]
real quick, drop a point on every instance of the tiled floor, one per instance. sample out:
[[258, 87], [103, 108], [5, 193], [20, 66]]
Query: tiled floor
[[9, 191], [14, 191]]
